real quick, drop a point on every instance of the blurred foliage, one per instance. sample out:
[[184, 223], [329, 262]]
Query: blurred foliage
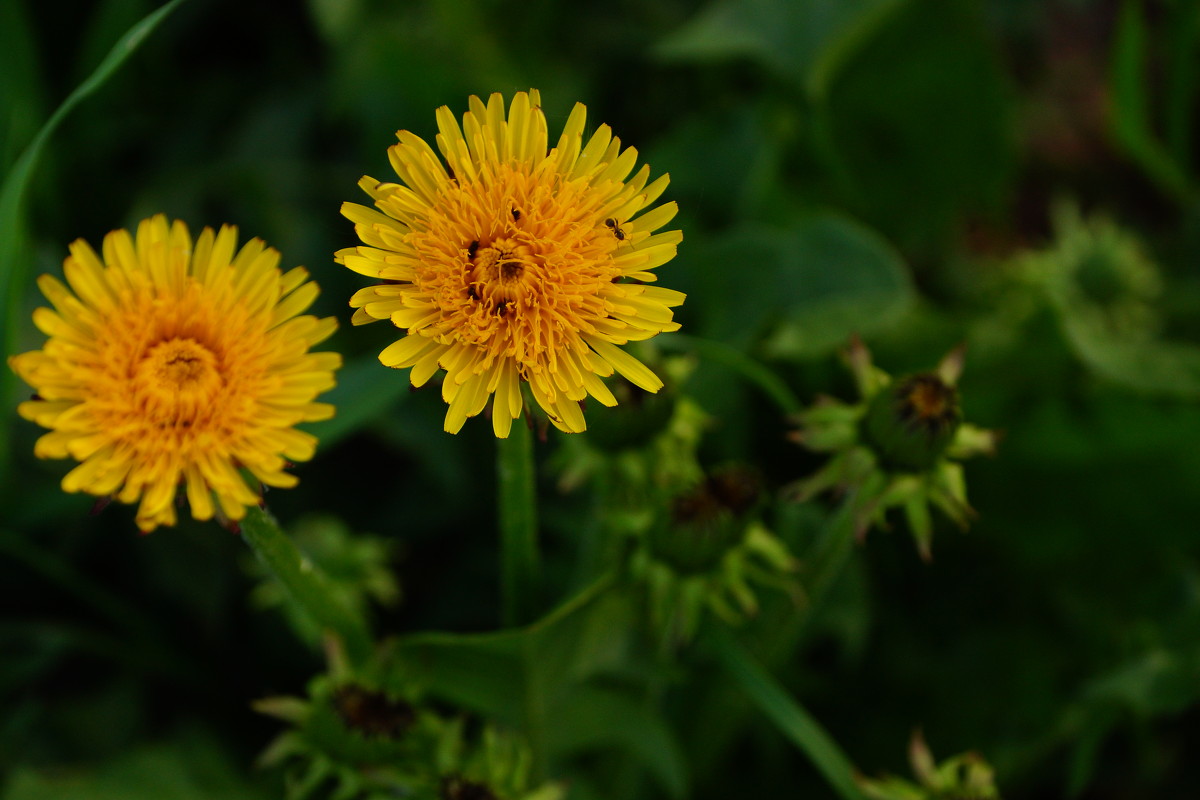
[[1015, 175]]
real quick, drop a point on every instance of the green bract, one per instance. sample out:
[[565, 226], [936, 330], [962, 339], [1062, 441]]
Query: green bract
[[963, 777], [369, 744], [898, 447]]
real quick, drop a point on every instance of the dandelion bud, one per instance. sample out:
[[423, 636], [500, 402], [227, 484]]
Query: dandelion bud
[[457, 788], [372, 713], [707, 521], [910, 424]]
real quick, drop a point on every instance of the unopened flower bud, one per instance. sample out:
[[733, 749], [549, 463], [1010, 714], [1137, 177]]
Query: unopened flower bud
[[372, 713], [707, 521], [910, 423], [458, 788]]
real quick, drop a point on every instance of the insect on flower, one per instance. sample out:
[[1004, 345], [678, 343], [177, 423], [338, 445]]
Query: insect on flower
[[500, 261]]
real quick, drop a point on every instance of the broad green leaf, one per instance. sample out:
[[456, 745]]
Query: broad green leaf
[[795, 38], [608, 718], [13, 261], [563, 647], [810, 286], [336, 20], [1158, 682], [527, 677], [753, 139], [915, 124], [840, 278]]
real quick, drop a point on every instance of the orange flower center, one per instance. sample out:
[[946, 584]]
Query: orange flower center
[[176, 379], [533, 260], [929, 398]]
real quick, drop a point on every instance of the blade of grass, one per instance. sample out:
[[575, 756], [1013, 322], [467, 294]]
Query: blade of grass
[[791, 718], [1131, 109], [1181, 77], [21, 91], [517, 500], [762, 377], [13, 266]]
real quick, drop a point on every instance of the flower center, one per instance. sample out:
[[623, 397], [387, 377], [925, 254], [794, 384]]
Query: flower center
[[501, 273], [928, 398], [176, 380]]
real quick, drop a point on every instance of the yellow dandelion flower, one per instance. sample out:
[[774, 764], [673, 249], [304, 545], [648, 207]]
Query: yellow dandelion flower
[[510, 263], [172, 364]]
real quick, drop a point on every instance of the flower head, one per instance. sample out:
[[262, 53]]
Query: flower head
[[510, 263], [176, 363], [373, 742], [899, 447], [710, 552]]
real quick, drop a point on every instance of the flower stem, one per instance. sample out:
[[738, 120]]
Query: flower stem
[[791, 718], [305, 584], [517, 500]]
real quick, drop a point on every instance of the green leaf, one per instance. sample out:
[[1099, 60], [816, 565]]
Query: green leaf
[[914, 123], [530, 672], [608, 718], [13, 256], [1155, 683], [797, 39], [811, 286]]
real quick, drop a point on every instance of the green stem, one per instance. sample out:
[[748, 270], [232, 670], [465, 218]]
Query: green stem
[[517, 500], [792, 719], [306, 585]]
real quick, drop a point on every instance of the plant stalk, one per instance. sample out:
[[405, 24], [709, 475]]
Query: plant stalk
[[517, 500], [306, 584]]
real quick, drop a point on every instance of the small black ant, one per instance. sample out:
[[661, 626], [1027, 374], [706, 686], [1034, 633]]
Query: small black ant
[[611, 222]]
